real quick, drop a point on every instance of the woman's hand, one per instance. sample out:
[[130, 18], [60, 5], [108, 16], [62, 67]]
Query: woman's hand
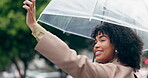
[[31, 13]]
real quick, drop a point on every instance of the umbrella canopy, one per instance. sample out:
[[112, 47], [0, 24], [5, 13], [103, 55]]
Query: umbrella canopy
[[81, 16]]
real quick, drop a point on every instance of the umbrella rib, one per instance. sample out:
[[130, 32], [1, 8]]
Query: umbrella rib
[[65, 28], [50, 25], [104, 8], [93, 11]]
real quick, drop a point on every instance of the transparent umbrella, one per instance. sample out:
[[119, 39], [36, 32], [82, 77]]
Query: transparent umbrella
[[79, 17]]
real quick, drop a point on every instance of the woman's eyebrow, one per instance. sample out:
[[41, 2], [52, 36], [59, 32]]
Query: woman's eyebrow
[[102, 36]]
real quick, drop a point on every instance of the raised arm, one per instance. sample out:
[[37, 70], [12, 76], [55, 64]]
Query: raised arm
[[37, 30], [31, 13], [57, 51]]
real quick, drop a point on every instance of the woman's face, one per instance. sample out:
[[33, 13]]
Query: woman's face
[[103, 49]]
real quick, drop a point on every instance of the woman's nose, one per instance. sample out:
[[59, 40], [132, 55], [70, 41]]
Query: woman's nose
[[96, 45]]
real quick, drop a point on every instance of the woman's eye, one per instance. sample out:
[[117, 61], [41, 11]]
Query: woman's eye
[[102, 40]]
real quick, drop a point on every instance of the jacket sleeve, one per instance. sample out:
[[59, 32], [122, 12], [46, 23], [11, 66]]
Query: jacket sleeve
[[38, 32], [78, 66], [55, 50]]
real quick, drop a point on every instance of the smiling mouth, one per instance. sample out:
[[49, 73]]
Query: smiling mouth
[[98, 53]]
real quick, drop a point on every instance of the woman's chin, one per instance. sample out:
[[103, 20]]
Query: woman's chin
[[99, 60]]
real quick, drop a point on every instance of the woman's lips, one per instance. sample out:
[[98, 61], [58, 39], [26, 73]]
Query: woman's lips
[[98, 53]]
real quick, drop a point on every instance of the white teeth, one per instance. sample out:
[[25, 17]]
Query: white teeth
[[99, 52]]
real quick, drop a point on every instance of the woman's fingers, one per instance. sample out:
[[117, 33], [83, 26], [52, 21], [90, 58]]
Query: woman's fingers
[[26, 7], [33, 1], [33, 6], [28, 3]]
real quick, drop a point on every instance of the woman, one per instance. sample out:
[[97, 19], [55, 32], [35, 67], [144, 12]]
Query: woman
[[117, 48], [127, 46]]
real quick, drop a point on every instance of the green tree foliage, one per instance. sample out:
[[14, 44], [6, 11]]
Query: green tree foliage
[[16, 41]]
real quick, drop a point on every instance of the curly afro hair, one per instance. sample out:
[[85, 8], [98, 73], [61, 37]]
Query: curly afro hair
[[125, 41]]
